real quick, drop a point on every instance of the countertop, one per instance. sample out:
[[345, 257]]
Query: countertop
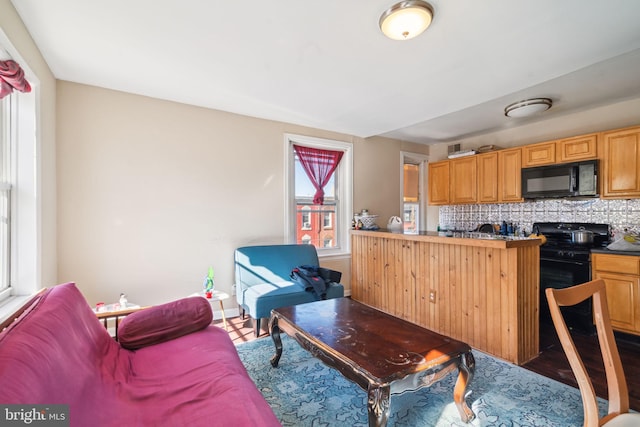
[[614, 252], [456, 238]]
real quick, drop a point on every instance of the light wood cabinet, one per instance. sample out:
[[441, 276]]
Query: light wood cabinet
[[463, 174], [439, 183], [620, 164], [567, 150], [539, 154], [488, 177], [621, 274], [577, 149], [485, 178], [509, 178], [482, 292]]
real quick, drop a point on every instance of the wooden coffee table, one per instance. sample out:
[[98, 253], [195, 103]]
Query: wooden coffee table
[[382, 354]]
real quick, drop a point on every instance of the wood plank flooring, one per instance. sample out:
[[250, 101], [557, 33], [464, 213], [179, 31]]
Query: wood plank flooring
[[551, 363]]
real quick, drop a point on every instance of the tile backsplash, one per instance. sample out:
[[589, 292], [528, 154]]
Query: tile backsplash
[[620, 214]]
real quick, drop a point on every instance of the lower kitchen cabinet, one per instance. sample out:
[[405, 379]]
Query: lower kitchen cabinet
[[621, 274]]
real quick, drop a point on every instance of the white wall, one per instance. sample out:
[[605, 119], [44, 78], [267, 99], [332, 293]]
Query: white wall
[[151, 193]]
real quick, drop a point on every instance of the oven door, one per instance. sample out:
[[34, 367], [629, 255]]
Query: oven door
[[559, 274]]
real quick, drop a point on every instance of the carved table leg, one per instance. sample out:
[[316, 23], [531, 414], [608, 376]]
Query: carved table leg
[[275, 335], [466, 369], [378, 405]]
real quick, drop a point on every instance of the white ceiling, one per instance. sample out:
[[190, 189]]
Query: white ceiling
[[325, 64]]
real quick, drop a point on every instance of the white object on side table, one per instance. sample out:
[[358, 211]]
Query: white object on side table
[[215, 296]]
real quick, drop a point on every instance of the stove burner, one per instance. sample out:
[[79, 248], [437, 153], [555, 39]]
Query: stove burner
[[559, 234]]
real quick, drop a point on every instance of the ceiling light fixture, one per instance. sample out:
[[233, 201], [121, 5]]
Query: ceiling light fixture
[[528, 107], [406, 20]]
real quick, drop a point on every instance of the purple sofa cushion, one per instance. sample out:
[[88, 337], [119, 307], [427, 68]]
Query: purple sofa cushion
[[164, 322], [54, 353], [58, 352]]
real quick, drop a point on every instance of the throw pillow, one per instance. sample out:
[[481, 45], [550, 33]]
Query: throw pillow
[[164, 322]]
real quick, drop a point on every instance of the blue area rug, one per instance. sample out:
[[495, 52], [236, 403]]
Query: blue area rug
[[304, 392]]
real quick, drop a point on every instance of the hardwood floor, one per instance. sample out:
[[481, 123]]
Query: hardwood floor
[[551, 363]]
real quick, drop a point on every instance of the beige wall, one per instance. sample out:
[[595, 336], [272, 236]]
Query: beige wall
[[24, 51], [151, 193], [617, 115]]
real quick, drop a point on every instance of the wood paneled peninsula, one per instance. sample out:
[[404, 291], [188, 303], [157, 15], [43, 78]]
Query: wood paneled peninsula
[[482, 291]]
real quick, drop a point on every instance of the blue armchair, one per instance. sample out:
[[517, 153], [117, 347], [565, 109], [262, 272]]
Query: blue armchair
[[263, 279]]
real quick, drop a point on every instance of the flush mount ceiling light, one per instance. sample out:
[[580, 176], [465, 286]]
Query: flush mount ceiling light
[[528, 107], [406, 20]]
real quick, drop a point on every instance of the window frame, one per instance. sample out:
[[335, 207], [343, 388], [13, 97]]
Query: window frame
[[7, 106], [344, 190], [26, 199]]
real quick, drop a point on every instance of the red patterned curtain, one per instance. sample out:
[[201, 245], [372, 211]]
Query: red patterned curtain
[[319, 166], [12, 77]]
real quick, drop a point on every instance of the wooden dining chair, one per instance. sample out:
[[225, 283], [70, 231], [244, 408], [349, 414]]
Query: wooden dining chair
[[618, 413]]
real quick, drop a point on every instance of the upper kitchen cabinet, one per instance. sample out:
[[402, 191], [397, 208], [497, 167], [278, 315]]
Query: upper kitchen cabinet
[[562, 151], [488, 177], [620, 164], [539, 154], [463, 188], [577, 148], [439, 183], [509, 176]]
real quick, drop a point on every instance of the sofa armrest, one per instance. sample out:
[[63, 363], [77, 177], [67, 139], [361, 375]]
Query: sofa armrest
[[164, 322]]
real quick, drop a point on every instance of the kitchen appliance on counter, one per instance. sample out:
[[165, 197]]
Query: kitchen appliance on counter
[[579, 179], [565, 260]]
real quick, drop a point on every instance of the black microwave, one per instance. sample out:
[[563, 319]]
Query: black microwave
[[579, 179]]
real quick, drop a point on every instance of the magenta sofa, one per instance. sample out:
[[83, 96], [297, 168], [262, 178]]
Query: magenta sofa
[[58, 352]]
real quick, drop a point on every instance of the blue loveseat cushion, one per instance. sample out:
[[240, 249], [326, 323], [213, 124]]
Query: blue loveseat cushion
[[267, 296], [263, 279]]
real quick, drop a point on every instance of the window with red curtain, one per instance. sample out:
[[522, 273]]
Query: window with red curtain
[[12, 77], [319, 218], [319, 165]]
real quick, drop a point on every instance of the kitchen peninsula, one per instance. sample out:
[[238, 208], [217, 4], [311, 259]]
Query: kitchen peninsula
[[475, 288]]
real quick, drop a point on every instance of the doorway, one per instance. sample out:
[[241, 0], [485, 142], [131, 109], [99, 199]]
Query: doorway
[[413, 184]]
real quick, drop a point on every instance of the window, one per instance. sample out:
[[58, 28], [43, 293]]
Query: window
[[325, 226], [328, 220], [305, 218], [19, 192]]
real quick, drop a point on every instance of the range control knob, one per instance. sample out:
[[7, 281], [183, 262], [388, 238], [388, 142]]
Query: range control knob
[[560, 254]]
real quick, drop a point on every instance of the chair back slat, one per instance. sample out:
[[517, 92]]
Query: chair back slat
[[616, 382]]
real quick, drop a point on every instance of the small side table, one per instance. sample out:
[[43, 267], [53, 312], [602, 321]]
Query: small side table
[[115, 311], [215, 296]]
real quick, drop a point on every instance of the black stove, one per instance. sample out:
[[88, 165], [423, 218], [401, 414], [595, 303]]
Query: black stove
[[564, 263], [560, 242]]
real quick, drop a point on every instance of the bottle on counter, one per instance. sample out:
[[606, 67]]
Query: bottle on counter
[[503, 228], [123, 300]]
